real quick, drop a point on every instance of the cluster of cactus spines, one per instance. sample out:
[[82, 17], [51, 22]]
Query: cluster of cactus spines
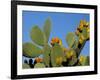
[[54, 53]]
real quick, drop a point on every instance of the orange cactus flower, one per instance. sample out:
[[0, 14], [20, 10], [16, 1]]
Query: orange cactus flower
[[55, 40], [39, 60]]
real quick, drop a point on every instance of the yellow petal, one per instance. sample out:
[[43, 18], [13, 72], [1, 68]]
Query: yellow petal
[[81, 59]]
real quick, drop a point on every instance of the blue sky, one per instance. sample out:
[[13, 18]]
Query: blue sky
[[62, 23]]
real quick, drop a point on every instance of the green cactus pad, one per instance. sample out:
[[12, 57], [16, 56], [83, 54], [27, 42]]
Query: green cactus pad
[[39, 65], [30, 50], [37, 36], [57, 55], [46, 55], [25, 66], [70, 38], [47, 29]]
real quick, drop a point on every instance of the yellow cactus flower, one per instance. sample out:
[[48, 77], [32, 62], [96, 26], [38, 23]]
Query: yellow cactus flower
[[39, 60], [60, 42], [59, 60], [80, 41], [69, 54], [88, 36], [88, 29], [84, 22], [81, 59], [87, 24], [81, 23], [56, 40], [65, 49], [82, 37], [79, 29]]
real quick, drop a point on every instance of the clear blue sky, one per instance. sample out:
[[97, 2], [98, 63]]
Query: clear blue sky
[[62, 23]]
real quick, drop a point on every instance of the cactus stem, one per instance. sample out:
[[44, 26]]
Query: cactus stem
[[78, 50]]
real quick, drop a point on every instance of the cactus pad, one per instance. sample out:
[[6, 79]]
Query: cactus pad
[[39, 65], [57, 55], [47, 29], [30, 50], [70, 39], [37, 36]]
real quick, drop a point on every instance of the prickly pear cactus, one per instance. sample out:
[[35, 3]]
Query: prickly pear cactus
[[53, 52]]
